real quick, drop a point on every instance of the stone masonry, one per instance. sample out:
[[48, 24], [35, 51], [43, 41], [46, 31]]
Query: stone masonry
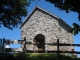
[[42, 22]]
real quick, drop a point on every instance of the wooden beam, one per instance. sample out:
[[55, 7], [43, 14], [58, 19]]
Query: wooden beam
[[31, 51], [12, 49], [14, 41], [54, 44]]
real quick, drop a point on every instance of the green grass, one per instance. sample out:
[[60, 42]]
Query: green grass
[[35, 56]]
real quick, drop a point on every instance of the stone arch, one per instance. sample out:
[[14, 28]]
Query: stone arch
[[41, 39]]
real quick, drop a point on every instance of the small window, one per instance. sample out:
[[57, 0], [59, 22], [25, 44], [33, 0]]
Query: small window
[[59, 29]]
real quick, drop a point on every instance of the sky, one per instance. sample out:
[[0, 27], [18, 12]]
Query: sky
[[69, 18]]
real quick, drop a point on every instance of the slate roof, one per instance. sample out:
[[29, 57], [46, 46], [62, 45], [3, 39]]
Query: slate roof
[[38, 8]]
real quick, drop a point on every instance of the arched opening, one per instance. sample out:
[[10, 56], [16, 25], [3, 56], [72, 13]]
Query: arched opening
[[41, 39]]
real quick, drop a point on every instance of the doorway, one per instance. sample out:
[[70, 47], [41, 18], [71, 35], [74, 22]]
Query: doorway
[[40, 38]]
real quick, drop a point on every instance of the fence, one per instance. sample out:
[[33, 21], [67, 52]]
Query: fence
[[3, 41], [8, 42]]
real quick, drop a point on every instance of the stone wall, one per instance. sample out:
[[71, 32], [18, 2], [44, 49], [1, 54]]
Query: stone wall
[[42, 23]]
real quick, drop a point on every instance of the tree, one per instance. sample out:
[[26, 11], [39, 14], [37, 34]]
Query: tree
[[12, 11], [69, 5]]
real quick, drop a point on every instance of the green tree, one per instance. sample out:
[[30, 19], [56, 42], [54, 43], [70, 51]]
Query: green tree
[[69, 5], [12, 11]]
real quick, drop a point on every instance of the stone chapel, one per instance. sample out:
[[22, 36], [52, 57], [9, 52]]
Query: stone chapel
[[42, 23]]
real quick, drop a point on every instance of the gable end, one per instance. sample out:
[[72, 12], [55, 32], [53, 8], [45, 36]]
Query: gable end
[[42, 10]]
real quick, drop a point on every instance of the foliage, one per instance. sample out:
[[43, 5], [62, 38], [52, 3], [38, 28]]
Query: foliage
[[69, 5], [12, 11], [76, 29], [36, 56]]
